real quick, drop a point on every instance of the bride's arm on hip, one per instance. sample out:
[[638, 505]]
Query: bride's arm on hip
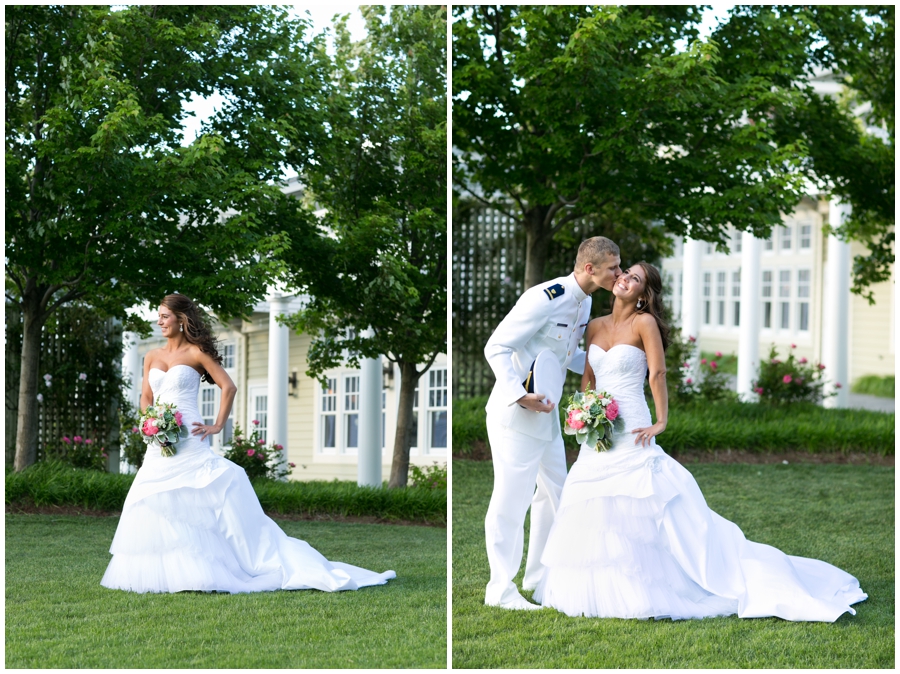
[[587, 379], [224, 382], [656, 364]]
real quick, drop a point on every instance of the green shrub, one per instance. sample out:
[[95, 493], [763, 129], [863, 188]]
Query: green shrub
[[469, 423], [789, 381], [255, 458], [131, 443], [55, 483], [711, 384], [431, 477], [735, 425], [77, 452], [874, 385], [727, 362]]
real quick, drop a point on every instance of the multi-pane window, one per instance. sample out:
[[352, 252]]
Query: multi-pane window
[[328, 414], [707, 297], [208, 405], [228, 356], [383, 417], [767, 299], [803, 299], [738, 241], [709, 248], [769, 243], [437, 406], [351, 412], [786, 235], [736, 296], [414, 433], [261, 414], [720, 296], [784, 295], [805, 236]]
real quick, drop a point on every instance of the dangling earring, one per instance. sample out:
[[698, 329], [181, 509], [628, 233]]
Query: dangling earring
[[181, 327], [640, 304]]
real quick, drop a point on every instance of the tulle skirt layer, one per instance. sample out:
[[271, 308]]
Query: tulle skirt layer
[[193, 522], [634, 538]]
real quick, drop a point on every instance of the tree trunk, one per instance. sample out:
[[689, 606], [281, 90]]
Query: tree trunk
[[400, 463], [33, 320], [537, 242]]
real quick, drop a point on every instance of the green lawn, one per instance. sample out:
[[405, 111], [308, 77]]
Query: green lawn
[[843, 514], [58, 615]]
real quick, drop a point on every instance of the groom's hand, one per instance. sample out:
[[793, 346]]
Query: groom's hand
[[535, 402]]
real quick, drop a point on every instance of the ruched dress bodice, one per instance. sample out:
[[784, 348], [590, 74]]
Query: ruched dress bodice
[[192, 521], [633, 536]]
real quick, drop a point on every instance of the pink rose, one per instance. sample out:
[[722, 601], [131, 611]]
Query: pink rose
[[713, 364], [135, 429], [260, 442], [703, 361], [178, 418], [787, 379], [759, 390], [88, 441], [718, 354], [279, 447], [691, 338], [802, 361], [77, 439], [251, 452], [793, 346], [685, 365], [150, 428], [66, 440], [799, 380], [837, 384], [612, 410], [292, 465], [688, 381], [775, 361], [255, 422], [104, 455], [820, 366], [572, 422]]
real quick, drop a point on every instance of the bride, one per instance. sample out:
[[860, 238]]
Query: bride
[[633, 536], [192, 521]]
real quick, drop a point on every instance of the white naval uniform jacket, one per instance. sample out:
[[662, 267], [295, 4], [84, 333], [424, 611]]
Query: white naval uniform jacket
[[543, 318]]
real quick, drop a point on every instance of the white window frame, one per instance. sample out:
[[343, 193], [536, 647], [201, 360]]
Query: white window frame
[[254, 394], [782, 299], [767, 299], [736, 297], [804, 300], [436, 399], [721, 298]]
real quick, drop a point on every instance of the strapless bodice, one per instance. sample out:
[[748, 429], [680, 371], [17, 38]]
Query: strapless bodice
[[621, 372], [180, 385]]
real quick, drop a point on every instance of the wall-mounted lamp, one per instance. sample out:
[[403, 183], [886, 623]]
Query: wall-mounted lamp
[[292, 380], [387, 374]]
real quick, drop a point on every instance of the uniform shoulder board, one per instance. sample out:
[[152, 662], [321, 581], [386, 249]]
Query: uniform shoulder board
[[554, 291]]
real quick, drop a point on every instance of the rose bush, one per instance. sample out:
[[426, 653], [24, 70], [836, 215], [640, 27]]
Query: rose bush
[[791, 380], [251, 454]]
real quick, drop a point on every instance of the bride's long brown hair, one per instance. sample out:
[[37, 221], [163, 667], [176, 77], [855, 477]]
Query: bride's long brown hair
[[195, 326], [653, 303]]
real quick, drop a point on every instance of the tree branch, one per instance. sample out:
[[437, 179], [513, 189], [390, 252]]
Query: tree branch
[[490, 204]]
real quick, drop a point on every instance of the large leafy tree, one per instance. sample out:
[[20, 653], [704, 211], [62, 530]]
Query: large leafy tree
[[382, 179], [104, 205], [622, 114]]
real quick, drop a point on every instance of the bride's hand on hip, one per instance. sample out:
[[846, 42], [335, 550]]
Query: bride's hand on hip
[[644, 435], [202, 430]]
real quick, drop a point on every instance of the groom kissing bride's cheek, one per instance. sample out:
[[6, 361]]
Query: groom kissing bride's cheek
[[627, 533]]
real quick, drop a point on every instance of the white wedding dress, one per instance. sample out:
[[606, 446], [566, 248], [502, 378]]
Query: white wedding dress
[[634, 538], [193, 522]]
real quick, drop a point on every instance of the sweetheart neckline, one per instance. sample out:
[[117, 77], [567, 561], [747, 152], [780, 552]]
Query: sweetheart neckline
[[594, 344], [174, 366]]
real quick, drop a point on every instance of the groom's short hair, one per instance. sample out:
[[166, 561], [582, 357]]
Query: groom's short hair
[[595, 250]]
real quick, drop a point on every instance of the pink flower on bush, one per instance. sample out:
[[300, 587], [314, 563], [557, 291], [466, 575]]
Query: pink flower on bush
[[135, 429], [88, 441], [572, 422], [251, 452], [279, 447], [82, 376], [799, 380], [178, 418], [40, 398], [837, 384], [688, 381], [260, 442], [150, 428], [759, 390], [703, 361], [713, 364], [691, 338], [255, 422], [292, 465], [793, 346], [718, 354], [787, 379], [104, 455], [820, 366], [612, 410], [66, 440], [775, 361], [77, 439], [685, 364], [803, 361]]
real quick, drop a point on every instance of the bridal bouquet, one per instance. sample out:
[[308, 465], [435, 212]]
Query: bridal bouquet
[[592, 417], [162, 424]]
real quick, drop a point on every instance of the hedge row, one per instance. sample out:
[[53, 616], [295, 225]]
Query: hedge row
[[54, 483], [742, 426]]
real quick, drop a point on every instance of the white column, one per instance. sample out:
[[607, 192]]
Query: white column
[[368, 467], [690, 299], [131, 368], [836, 310], [748, 340], [276, 432]]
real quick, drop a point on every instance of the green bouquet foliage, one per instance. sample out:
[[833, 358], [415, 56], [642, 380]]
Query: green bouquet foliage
[[791, 380], [251, 454]]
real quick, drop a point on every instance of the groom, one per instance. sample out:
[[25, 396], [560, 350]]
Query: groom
[[551, 315]]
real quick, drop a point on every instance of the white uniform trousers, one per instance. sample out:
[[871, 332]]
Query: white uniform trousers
[[520, 461]]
